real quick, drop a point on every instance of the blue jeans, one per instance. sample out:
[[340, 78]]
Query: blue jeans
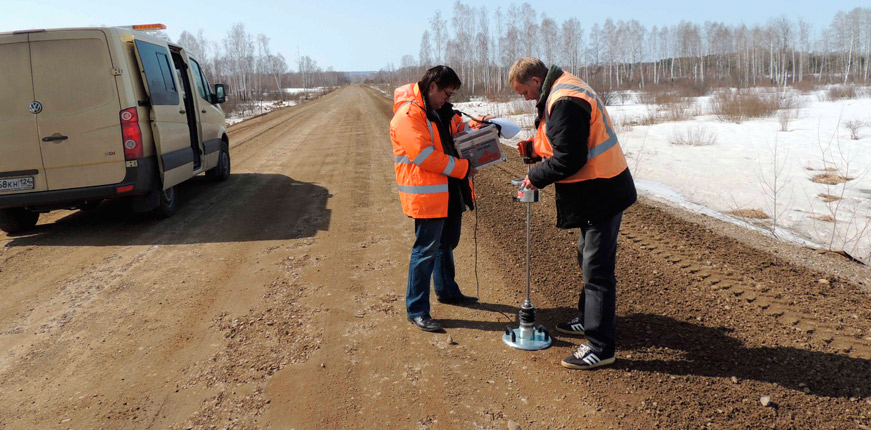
[[432, 256]]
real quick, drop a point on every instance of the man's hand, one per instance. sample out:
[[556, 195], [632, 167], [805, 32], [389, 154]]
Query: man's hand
[[472, 171], [527, 151], [527, 184]]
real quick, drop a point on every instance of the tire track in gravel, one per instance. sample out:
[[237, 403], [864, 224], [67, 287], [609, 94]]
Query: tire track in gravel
[[706, 325]]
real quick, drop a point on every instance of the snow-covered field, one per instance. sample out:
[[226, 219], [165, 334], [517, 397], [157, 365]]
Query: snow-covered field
[[253, 109], [294, 96], [750, 173]]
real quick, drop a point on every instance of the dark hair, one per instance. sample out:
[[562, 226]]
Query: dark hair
[[443, 76]]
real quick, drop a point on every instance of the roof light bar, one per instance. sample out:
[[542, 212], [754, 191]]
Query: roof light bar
[[149, 27]]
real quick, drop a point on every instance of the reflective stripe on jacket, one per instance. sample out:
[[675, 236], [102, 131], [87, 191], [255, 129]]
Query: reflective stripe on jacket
[[422, 167], [604, 156]]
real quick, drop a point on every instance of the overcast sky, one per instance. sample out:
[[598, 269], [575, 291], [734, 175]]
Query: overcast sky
[[367, 35]]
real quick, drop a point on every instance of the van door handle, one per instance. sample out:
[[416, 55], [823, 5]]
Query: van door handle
[[54, 138], [203, 111], [181, 111]]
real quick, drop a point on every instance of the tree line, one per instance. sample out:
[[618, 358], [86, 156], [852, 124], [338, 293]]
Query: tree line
[[247, 63], [481, 47]]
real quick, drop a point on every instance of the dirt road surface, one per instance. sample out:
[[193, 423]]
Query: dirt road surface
[[276, 300]]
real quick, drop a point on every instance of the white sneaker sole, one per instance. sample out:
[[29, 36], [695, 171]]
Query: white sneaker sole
[[604, 362]]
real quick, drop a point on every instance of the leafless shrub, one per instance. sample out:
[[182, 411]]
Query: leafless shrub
[[624, 96], [830, 179], [740, 105], [692, 88], [749, 213], [694, 135], [854, 125], [607, 96], [789, 109], [792, 101], [839, 92], [784, 117], [681, 110], [806, 86]]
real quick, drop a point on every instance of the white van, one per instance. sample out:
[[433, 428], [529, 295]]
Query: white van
[[88, 114]]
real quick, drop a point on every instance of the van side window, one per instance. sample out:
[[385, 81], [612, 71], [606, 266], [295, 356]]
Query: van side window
[[166, 71], [202, 86], [158, 73]]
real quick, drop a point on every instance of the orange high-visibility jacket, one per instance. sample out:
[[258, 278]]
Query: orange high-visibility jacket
[[422, 167], [604, 156]]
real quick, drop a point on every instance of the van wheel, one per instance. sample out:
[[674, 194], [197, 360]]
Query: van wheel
[[17, 220], [221, 172], [167, 203]]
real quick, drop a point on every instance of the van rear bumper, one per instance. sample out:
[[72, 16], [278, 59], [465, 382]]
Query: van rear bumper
[[140, 177]]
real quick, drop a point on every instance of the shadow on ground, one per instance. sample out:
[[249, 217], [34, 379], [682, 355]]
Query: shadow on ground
[[708, 351], [246, 207]]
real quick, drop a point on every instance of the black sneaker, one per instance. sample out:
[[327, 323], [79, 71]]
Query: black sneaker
[[575, 326], [585, 358]]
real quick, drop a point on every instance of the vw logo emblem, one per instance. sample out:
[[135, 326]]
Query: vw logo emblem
[[35, 107]]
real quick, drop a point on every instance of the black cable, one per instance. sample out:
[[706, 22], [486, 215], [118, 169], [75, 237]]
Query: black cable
[[477, 284], [482, 121]]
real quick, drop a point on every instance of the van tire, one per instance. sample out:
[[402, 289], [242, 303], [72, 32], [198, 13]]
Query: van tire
[[221, 172], [167, 203], [17, 220]]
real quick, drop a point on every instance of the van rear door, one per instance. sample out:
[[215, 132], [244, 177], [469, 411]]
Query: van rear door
[[21, 169], [80, 125], [169, 121]]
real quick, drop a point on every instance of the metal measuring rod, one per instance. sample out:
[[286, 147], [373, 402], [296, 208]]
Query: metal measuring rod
[[527, 336]]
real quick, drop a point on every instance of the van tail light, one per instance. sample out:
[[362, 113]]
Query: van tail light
[[131, 134]]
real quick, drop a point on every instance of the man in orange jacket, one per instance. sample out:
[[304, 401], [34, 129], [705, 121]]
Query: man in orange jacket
[[433, 183], [581, 156]]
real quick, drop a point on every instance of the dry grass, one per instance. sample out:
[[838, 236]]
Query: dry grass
[[690, 88], [825, 218], [649, 118], [669, 104], [518, 106], [738, 106], [749, 213], [830, 179], [806, 86], [658, 96], [680, 111], [694, 135], [839, 92], [828, 198]]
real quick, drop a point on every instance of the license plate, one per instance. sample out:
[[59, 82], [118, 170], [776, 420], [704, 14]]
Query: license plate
[[16, 184]]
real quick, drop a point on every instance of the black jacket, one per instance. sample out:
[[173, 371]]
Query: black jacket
[[568, 129], [459, 191]]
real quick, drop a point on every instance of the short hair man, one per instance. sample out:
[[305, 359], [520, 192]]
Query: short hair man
[[433, 187], [581, 156]]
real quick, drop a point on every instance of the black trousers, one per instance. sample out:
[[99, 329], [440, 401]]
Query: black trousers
[[597, 256]]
